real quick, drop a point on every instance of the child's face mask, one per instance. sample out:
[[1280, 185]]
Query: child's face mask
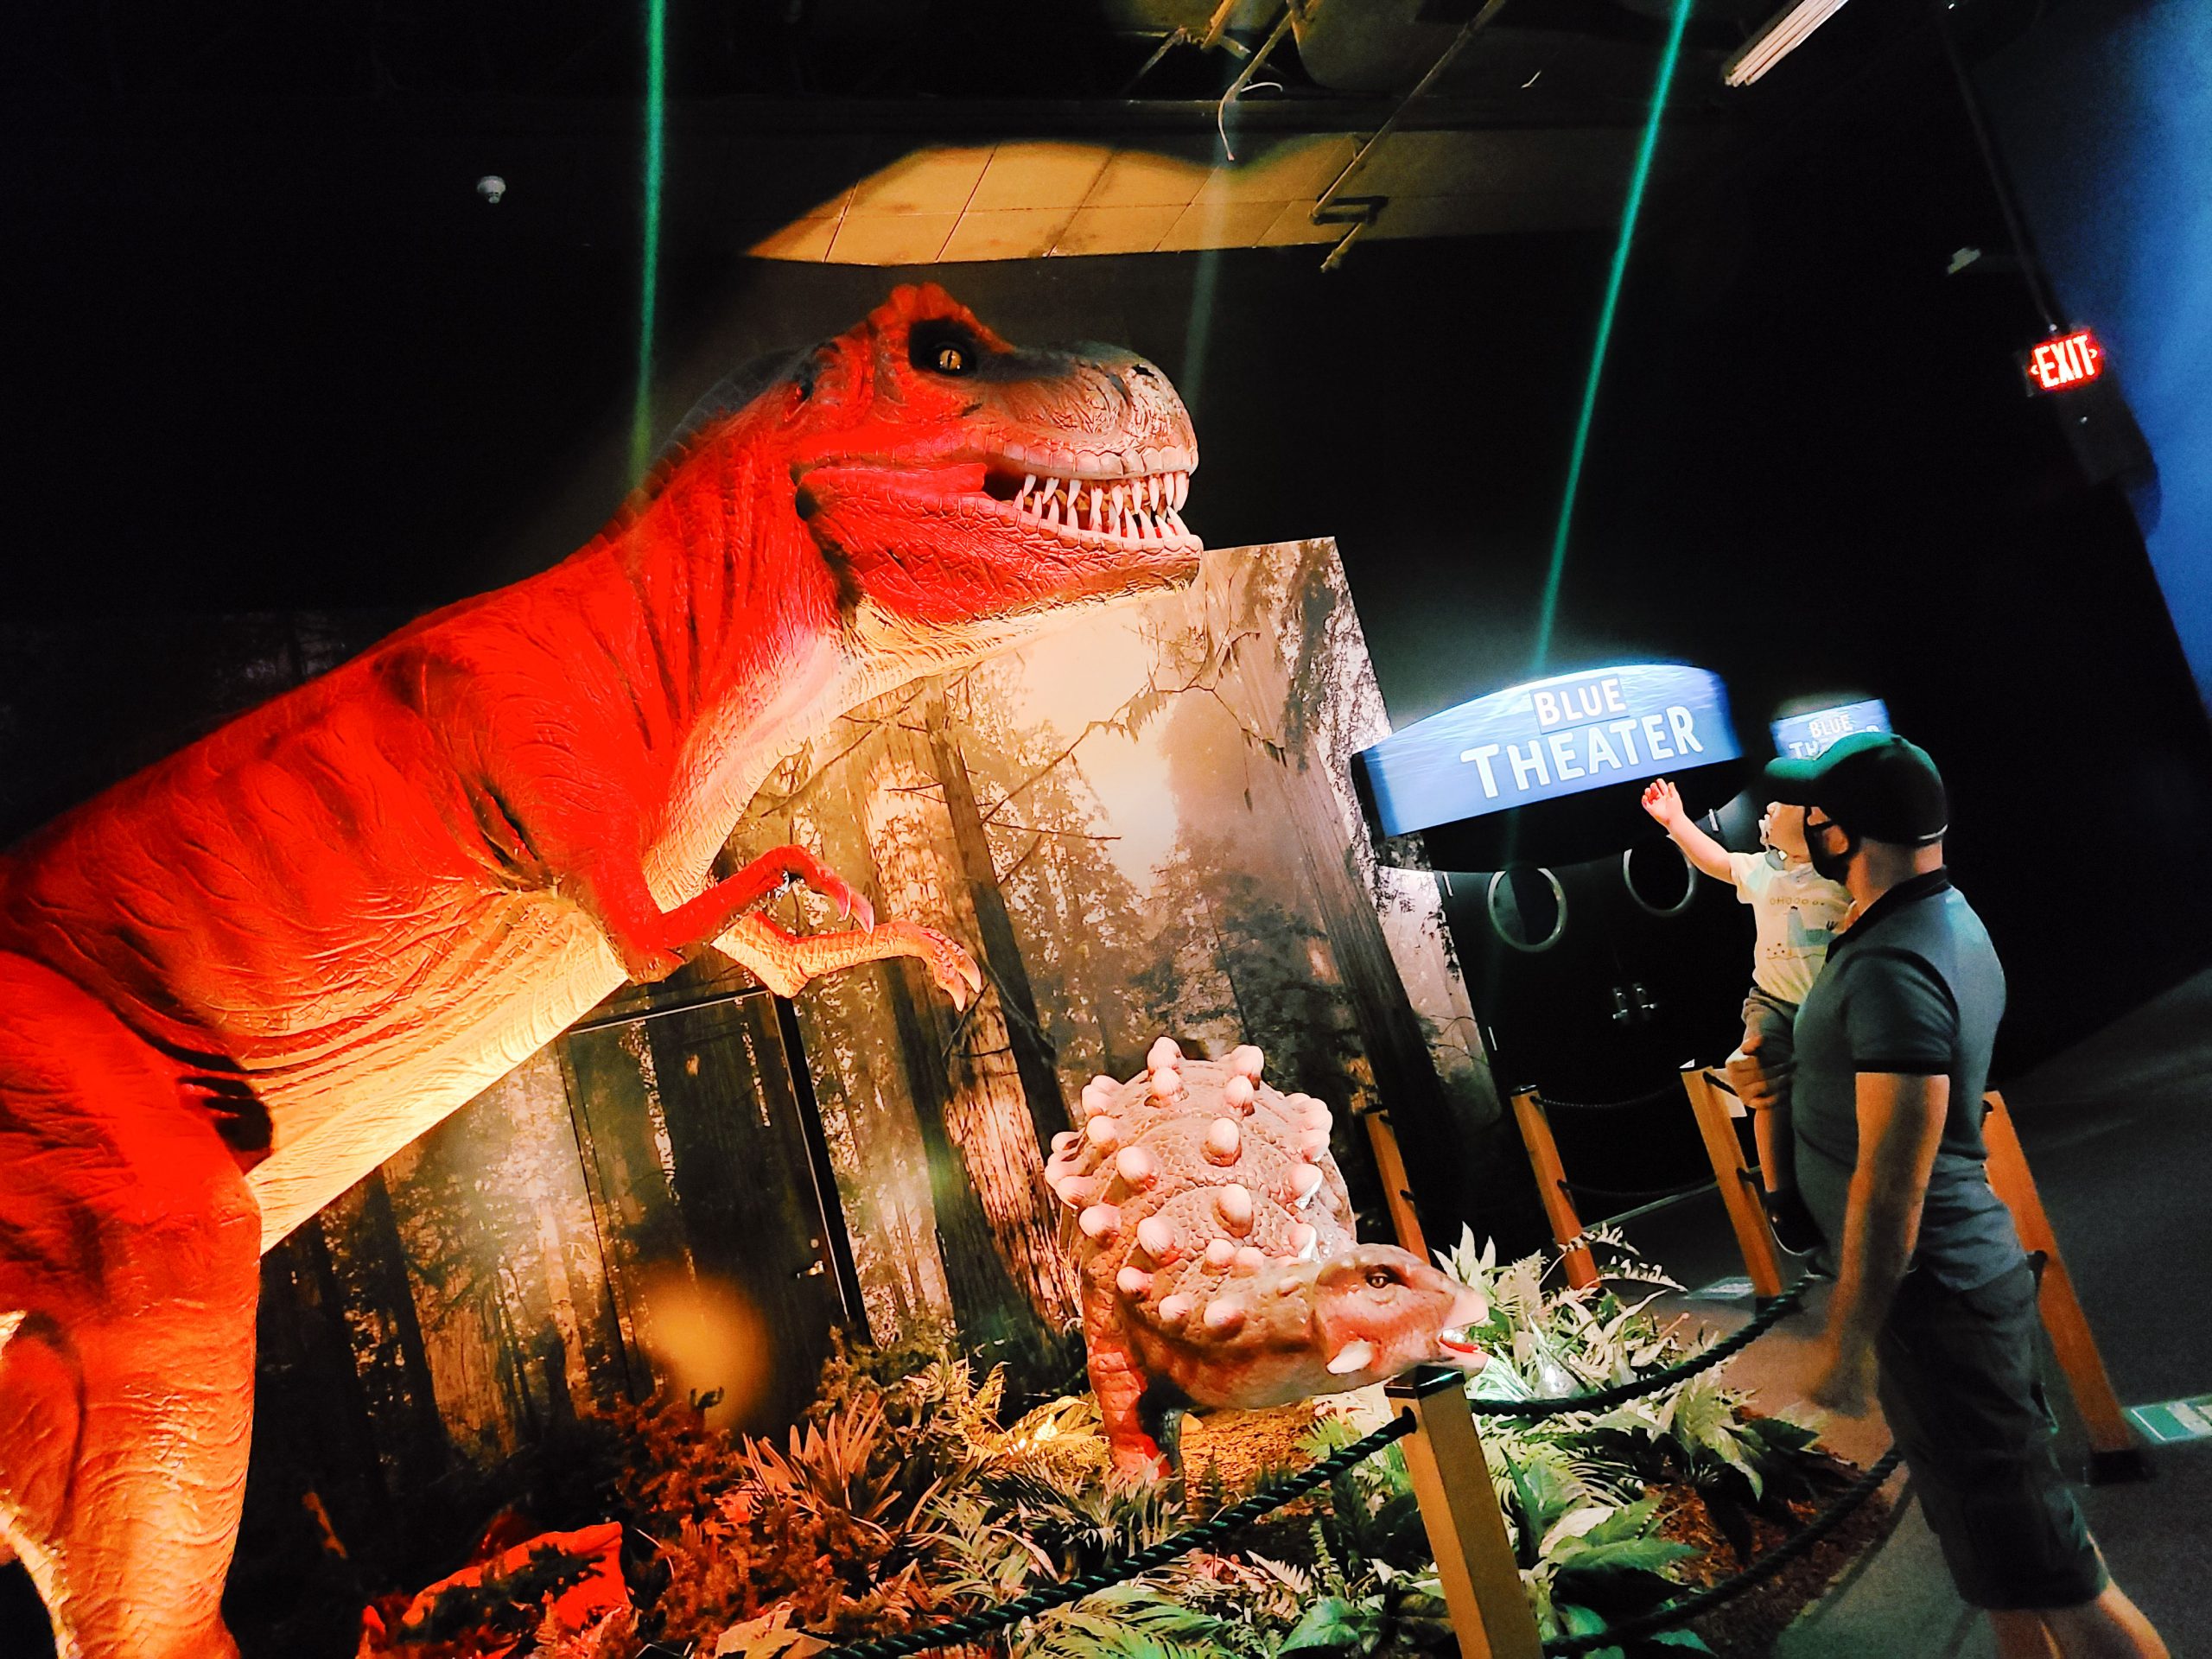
[[1782, 828]]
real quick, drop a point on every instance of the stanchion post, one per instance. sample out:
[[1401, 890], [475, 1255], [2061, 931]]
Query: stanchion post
[[1397, 1190], [1467, 1531], [1738, 1187], [2114, 1452], [1551, 1187]]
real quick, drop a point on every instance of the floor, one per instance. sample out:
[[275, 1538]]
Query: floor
[[2120, 1141]]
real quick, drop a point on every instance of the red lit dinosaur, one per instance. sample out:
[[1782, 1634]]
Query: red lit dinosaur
[[233, 984]]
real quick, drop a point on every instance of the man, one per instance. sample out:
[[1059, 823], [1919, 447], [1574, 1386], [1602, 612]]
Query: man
[[1935, 1301]]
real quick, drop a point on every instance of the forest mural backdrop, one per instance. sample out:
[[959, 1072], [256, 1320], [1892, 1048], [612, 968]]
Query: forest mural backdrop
[[1141, 823]]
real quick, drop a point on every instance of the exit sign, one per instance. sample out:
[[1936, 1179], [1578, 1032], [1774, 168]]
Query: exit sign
[[2064, 362]]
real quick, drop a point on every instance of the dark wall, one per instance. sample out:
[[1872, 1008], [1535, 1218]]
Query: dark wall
[[2103, 112], [1811, 466]]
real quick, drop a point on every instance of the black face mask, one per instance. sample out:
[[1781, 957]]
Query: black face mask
[[1831, 864]]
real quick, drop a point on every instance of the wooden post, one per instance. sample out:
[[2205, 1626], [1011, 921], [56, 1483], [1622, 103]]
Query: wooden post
[[1551, 1187], [1397, 1187], [2114, 1452], [1467, 1531], [1738, 1187]]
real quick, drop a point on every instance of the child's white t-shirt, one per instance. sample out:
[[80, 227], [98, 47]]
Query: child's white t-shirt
[[1797, 910]]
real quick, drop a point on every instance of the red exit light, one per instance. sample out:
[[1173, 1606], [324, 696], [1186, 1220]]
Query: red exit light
[[2069, 360]]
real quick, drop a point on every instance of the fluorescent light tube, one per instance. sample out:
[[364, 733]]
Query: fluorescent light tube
[[1784, 33]]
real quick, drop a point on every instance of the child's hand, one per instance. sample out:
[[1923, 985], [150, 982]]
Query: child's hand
[[1664, 802]]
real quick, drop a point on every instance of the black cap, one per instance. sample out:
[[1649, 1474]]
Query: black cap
[[1874, 783]]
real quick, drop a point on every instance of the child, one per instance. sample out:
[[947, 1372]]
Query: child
[[1798, 911]]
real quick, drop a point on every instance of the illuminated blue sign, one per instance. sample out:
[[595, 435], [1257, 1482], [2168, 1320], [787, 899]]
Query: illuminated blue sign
[[1800, 737], [1549, 737]]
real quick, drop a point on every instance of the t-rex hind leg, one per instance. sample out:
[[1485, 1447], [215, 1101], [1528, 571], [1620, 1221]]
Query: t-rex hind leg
[[129, 1266], [783, 961]]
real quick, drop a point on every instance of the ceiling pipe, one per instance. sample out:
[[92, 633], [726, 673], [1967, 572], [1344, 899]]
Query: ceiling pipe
[[1369, 207]]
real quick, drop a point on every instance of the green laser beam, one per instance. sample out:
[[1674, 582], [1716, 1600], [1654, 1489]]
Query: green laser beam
[[641, 414], [1547, 611]]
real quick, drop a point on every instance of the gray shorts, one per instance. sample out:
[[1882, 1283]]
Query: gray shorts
[[1961, 1386], [1774, 1022]]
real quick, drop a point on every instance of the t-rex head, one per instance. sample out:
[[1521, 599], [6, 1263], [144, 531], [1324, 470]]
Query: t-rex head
[[957, 483]]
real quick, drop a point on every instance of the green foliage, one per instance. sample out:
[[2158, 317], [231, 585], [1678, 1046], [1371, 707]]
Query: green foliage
[[1571, 1484], [1131, 1621], [902, 1497]]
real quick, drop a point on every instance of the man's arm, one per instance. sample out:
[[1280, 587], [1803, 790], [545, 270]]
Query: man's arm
[[1664, 801], [1900, 1127]]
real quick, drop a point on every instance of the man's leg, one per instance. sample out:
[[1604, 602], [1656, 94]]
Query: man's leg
[[2111, 1627], [2023, 1636]]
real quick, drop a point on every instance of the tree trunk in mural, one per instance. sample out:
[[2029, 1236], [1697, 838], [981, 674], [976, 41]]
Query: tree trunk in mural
[[1441, 1138], [1009, 1286], [744, 1188], [1033, 1060], [387, 1337], [309, 1406]]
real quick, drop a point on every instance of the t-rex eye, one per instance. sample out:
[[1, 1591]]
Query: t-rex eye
[[1381, 1279], [950, 359]]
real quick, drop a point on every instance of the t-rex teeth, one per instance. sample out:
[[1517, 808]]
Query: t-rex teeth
[[1175, 1309], [1182, 486], [1250, 1259], [1223, 1140], [1303, 1238], [1165, 1052], [1247, 1061], [1235, 1202], [1137, 1167], [1102, 1219], [1222, 1314], [1219, 1253], [1305, 1182], [1237, 1093], [1132, 1281], [1352, 1357], [1103, 1132], [1156, 1238]]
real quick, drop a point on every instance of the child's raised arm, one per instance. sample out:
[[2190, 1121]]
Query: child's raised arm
[[1664, 801]]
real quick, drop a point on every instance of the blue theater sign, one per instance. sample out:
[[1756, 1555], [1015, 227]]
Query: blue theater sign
[[1548, 739]]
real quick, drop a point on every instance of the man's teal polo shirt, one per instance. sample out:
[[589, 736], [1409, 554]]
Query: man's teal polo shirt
[[1913, 986]]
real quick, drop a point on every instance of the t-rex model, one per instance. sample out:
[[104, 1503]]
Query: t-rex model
[[1219, 1267], [233, 984]]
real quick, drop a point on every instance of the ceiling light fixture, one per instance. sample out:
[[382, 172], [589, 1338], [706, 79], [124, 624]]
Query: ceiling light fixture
[[1784, 33]]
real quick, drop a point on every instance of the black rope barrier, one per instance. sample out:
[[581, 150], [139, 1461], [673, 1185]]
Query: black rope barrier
[[975, 1626], [1680, 1612], [1671, 1091], [1620, 1393], [1654, 1195]]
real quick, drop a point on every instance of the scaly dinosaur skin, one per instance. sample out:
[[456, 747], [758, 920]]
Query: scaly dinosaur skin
[[1219, 1267], [233, 984]]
